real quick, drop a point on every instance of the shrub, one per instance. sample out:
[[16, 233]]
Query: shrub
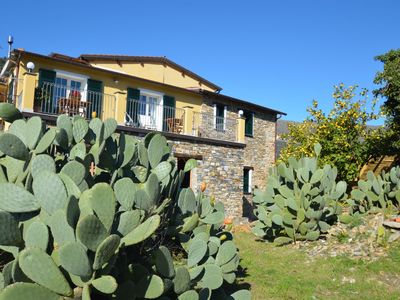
[[300, 201], [346, 141], [376, 192], [92, 214]]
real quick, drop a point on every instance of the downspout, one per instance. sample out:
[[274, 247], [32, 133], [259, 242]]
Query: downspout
[[278, 116], [16, 81]]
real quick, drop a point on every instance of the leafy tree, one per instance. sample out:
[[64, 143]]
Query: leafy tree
[[389, 79], [342, 132]]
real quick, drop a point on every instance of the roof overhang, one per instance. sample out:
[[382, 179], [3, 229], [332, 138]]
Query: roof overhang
[[149, 59], [241, 102], [196, 91]]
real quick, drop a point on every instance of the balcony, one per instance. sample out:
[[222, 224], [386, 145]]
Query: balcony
[[49, 99], [153, 116], [54, 99]]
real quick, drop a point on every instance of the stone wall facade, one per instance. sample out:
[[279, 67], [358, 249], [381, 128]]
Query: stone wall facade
[[208, 127], [220, 167], [259, 152]]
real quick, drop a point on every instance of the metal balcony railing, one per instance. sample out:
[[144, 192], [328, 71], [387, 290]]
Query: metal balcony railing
[[55, 99], [154, 116], [210, 126]]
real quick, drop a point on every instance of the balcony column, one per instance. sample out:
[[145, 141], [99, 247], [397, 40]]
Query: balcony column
[[240, 129], [188, 120], [28, 92], [120, 107]]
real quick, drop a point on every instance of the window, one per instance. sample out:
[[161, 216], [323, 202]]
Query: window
[[249, 123], [69, 84], [247, 180], [220, 116], [149, 110], [148, 105]]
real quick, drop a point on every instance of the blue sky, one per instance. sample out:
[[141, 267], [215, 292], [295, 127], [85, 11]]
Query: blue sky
[[280, 54]]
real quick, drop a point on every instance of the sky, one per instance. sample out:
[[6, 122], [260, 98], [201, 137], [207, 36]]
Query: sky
[[279, 54]]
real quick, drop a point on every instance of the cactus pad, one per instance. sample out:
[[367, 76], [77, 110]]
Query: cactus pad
[[10, 234], [46, 141], [12, 146], [91, 232], [105, 284], [31, 291], [16, 199], [164, 263], [74, 259], [105, 250], [39, 267], [37, 235], [142, 232]]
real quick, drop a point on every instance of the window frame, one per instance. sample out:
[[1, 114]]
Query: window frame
[[225, 108], [159, 97], [69, 76], [250, 180], [246, 113]]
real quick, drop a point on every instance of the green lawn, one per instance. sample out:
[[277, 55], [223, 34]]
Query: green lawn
[[285, 273]]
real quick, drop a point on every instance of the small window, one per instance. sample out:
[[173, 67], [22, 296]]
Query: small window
[[249, 122], [220, 112], [247, 180]]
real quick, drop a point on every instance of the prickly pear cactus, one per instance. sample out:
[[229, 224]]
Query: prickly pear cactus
[[376, 192], [301, 201], [91, 214]]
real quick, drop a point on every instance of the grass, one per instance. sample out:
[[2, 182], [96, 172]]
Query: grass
[[286, 273]]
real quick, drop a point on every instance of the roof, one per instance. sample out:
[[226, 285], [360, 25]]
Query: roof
[[81, 63], [147, 59], [242, 102], [68, 58]]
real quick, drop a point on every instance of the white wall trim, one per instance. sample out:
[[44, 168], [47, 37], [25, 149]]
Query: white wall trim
[[70, 75], [151, 93], [250, 180], [215, 116], [225, 112], [110, 69]]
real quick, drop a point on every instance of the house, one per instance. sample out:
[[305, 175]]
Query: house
[[233, 140]]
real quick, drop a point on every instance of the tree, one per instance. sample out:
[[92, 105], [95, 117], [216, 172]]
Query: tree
[[343, 133], [389, 79]]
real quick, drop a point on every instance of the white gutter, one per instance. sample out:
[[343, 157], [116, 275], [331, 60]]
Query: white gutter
[[5, 67]]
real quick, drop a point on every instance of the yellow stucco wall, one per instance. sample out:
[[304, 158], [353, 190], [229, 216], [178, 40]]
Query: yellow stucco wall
[[157, 72], [183, 98]]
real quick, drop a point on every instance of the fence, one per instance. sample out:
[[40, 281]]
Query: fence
[[151, 115], [56, 99]]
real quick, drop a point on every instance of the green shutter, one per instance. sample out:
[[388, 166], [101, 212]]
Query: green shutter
[[44, 93], [133, 94], [169, 104], [46, 76], [220, 110], [94, 97], [248, 128], [132, 107], [246, 180]]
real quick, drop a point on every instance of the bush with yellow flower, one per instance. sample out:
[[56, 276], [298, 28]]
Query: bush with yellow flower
[[342, 132]]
